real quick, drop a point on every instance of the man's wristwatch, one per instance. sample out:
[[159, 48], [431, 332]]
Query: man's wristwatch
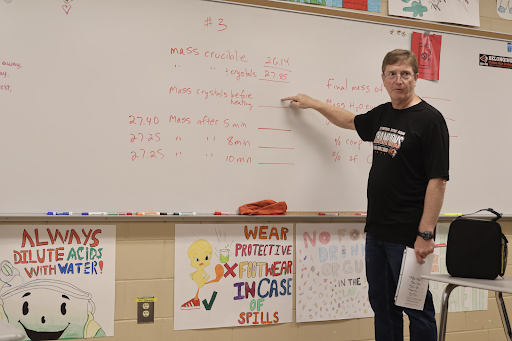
[[426, 235]]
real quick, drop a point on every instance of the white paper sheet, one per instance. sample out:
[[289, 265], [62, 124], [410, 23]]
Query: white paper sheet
[[411, 290]]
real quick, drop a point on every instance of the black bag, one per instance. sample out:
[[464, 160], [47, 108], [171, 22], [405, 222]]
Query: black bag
[[476, 248]]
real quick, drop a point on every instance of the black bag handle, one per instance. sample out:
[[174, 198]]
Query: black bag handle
[[498, 215]]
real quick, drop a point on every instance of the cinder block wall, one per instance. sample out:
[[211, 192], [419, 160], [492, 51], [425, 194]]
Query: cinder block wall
[[145, 267]]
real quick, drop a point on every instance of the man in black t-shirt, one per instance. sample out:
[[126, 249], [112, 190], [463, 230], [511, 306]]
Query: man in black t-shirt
[[405, 191]]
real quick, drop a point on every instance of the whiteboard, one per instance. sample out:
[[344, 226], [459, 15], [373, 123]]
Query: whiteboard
[[175, 106]]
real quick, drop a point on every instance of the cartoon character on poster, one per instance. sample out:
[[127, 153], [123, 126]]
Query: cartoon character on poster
[[46, 309], [504, 9], [200, 254], [43, 276]]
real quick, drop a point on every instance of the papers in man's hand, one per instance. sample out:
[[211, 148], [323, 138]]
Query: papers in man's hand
[[411, 290]]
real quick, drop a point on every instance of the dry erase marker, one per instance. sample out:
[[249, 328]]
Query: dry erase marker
[[225, 213], [59, 213], [362, 213], [453, 214], [321, 213], [112, 213], [167, 213], [440, 245], [95, 213], [186, 213]]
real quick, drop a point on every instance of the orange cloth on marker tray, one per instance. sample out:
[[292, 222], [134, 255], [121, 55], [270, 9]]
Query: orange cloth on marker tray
[[264, 207]]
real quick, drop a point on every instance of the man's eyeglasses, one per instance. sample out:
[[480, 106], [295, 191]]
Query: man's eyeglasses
[[393, 76]]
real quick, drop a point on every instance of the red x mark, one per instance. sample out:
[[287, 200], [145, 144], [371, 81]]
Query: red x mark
[[230, 270]]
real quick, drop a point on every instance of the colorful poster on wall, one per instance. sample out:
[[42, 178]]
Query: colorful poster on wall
[[58, 282], [331, 273], [362, 5], [228, 275], [465, 12], [461, 298], [427, 49], [504, 9]]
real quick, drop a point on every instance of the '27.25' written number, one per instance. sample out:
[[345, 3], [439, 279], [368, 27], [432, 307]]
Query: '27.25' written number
[[148, 154]]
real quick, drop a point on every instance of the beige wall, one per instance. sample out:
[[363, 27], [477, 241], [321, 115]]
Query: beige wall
[[145, 267]]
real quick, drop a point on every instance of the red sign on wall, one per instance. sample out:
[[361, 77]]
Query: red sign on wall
[[428, 53]]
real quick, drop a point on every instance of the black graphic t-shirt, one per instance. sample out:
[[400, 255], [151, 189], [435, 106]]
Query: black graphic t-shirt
[[410, 147]]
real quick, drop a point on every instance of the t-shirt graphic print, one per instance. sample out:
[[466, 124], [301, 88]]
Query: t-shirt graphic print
[[388, 141]]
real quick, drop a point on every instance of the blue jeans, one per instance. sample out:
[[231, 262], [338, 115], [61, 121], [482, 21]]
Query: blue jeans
[[383, 263]]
